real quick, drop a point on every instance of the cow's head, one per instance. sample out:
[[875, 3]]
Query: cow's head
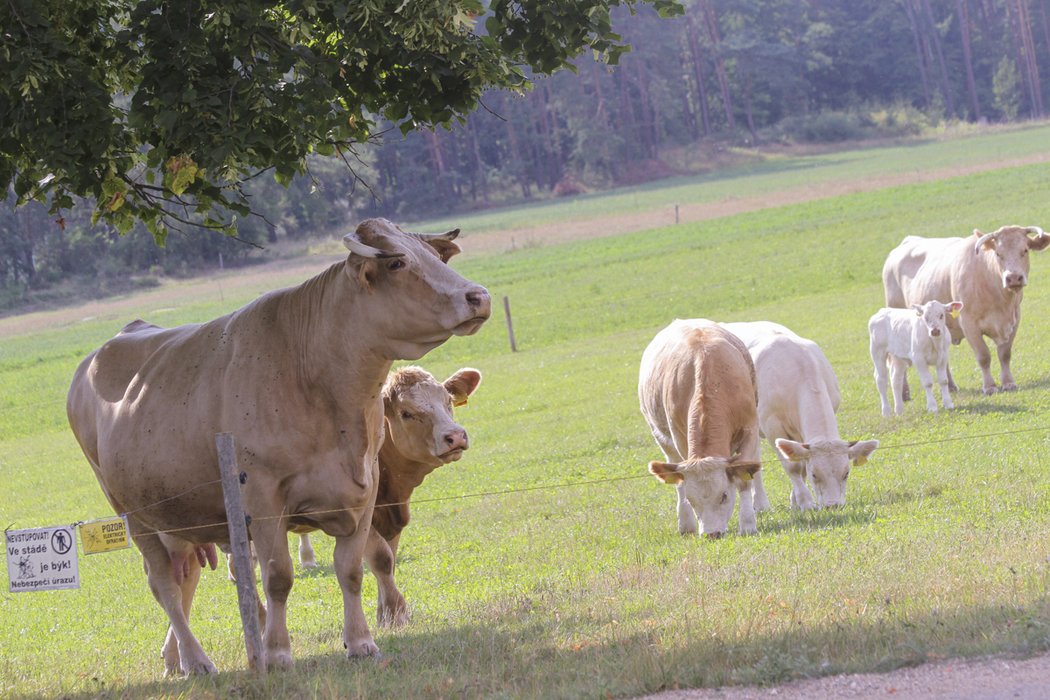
[[710, 486], [935, 315], [827, 465], [416, 300], [418, 411], [1011, 245]]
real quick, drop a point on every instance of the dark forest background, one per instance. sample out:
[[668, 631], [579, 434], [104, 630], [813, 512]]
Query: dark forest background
[[728, 73]]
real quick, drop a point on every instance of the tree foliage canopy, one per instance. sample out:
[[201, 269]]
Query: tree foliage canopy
[[158, 111]]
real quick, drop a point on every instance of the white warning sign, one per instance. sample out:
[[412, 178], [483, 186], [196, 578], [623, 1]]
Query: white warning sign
[[42, 559]]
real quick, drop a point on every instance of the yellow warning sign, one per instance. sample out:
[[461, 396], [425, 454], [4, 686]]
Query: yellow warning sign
[[105, 535]]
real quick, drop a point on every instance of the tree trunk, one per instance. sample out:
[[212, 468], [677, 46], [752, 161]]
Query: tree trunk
[[919, 52], [720, 66], [931, 26], [698, 73], [971, 83]]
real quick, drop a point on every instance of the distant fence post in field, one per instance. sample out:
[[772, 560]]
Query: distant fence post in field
[[510, 325], [676, 214], [239, 547]]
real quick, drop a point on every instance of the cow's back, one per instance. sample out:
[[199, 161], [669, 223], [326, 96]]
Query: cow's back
[[694, 367], [920, 270]]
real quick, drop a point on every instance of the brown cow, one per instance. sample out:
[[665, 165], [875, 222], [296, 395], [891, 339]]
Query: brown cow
[[987, 272], [421, 435], [296, 377], [699, 396]]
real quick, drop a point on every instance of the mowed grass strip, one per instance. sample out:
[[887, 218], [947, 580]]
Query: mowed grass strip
[[546, 563]]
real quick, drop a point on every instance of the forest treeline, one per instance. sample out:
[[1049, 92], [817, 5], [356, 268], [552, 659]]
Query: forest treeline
[[726, 72]]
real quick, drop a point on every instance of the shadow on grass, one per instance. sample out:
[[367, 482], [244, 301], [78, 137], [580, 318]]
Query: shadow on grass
[[520, 653]]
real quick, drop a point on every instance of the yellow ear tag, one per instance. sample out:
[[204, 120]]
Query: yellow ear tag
[[861, 459], [954, 313], [459, 401], [746, 476]]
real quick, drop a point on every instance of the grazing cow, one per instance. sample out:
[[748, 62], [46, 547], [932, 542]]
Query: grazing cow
[[798, 396], [986, 271], [916, 336], [697, 391], [296, 376], [421, 435]]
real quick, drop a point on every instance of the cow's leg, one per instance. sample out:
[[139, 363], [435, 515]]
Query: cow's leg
[[942, 381], [800, 498], [923, 370], [881, 379], [191, 577], [984, 358], [391, 608], [1004, 350], [687, 523], [761, 500], [161, 570], [306, 553], [898, 380], [349, 570], [270, 538]]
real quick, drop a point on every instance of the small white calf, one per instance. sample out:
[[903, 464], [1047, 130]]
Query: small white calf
[[916, 336]]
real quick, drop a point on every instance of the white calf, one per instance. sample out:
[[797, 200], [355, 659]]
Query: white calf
[[916, 336]]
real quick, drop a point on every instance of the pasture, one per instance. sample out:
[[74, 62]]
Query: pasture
[[546, 563]]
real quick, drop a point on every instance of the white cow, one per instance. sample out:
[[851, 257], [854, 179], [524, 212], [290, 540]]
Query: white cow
[[986, 271], [696, 387], [798, 396], [918, 336]]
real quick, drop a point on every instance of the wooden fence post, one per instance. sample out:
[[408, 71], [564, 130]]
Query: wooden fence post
[[510, 325], [247, 598]]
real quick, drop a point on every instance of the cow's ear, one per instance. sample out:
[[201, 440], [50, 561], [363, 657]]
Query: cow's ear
[[462, 384], [917, 308], [1040, 241], [445, 249], [666, 472], [859, 451], [364, 271], [954, 308], [741, 473], [794, 451]]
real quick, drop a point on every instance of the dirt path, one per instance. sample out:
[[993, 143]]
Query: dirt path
[[595, 227], [970, 679]]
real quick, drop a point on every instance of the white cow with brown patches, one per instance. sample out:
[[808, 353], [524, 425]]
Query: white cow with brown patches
[[798, 396], [296, 376], [696, 387], [987, 272]]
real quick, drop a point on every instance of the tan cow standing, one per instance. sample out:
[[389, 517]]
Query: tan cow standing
[[698, 394], [421, 435], [296, 377], [987, 272]]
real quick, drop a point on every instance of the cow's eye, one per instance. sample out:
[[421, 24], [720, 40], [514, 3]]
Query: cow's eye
[[1024, 252], [725, 497], [406, 415], [395, 264]]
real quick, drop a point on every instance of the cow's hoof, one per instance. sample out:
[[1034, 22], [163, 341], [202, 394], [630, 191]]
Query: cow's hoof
[[279, 660], [365, 649], [989, 390], [202, 667], [1010, 387]]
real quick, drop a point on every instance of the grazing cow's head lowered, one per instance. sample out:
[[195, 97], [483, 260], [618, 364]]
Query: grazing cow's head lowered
[[934, 316], [419, 418], [1011, 245], [421, 301], [827, 464], [710, 485]]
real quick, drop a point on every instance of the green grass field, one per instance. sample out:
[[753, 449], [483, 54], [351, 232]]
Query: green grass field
[[547, 562]]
